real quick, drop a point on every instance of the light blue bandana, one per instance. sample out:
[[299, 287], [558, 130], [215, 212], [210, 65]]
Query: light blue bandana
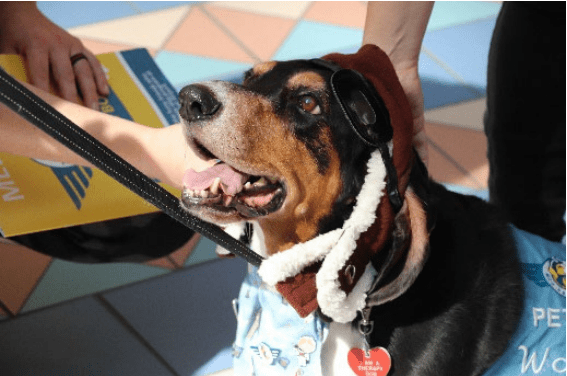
[[275, 340]]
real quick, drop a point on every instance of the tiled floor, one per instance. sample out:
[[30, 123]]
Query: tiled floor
[[173, 316]]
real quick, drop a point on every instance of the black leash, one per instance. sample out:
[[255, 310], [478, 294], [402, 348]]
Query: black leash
[[42, 115]]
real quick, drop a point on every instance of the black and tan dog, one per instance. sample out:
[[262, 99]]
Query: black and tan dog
[[317, 155]]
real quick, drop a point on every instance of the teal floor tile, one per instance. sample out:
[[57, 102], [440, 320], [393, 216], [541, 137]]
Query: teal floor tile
[[77, 338], [220, 362], [150, 6], [312, 39], [187, 315], [203, 251], [76, 13], [181, 69], [440, 88], [452, 13], [480, 193], [464, 49], [67, 280]]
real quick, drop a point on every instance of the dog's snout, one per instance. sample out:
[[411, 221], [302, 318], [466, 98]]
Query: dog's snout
[[197, 103]]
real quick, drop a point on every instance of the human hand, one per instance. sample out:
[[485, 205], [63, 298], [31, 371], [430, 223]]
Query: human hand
[[409, 78], [398, 27], [164, 154], [47, 50]]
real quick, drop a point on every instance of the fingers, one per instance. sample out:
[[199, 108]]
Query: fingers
[[420, 143], [411, 83], [38, 67], [47, 49], [85, 80], [98, 74], [64, 75], [80, 82]]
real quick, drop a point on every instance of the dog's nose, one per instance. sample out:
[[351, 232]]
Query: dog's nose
[[197, 103]]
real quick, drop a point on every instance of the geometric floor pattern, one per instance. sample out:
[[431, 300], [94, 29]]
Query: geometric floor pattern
[[145, 311]]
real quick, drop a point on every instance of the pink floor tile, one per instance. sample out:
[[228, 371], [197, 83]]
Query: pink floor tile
[[261, 34], [443, 170], [97, 47], [182, 254], [344, 13], [466, 147], [20, 271], [163, 262], [199, 35]]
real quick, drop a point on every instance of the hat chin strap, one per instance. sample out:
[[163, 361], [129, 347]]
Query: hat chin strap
[[332, 250]]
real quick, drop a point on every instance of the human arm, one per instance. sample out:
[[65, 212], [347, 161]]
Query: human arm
[[398, 29], [47, 50], [160, 153]]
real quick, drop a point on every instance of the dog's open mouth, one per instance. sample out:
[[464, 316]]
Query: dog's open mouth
[[225, 190]]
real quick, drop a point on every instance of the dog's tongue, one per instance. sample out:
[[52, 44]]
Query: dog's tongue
[[232, 181]]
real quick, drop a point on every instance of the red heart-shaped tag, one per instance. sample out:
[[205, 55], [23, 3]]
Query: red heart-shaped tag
[[378, 362]]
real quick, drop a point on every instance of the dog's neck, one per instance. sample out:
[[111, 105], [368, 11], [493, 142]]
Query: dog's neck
[[334, 271], [326, 271]]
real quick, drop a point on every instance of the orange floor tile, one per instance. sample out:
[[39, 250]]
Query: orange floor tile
[[344, 13], [466, 148], [20, 270], [245, 27], [199, 35]]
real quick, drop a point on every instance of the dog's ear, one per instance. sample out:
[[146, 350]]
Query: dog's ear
[[408, 254], [363, 106]]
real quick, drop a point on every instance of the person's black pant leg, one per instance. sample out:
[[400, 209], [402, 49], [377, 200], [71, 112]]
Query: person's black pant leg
[[525, 118]]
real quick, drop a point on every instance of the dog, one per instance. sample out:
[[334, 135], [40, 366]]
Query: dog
[[370, 267]]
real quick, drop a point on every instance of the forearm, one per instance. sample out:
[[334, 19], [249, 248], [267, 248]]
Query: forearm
[[159, 153], [398, 29]]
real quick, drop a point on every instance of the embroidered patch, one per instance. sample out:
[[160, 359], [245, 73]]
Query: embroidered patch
[[284, 362], [304, 347], [236, 351], [267, 354], [554, 274]]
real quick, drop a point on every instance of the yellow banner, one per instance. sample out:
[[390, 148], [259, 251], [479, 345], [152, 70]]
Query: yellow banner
[[41, 195]]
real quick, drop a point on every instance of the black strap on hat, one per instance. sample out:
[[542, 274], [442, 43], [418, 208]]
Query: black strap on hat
[[368, 116]]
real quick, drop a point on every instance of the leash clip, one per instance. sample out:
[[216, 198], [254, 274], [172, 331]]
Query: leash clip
[[366, 327]]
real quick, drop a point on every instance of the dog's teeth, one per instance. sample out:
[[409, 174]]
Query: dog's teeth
[[204, 193], [215, 186], [261, 182], [248, 185], [227, 200]]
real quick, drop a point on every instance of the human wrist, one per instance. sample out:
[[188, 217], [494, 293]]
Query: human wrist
[[13, 9]]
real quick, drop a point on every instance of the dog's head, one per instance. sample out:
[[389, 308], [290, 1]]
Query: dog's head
[[289, 156], [293, 145]]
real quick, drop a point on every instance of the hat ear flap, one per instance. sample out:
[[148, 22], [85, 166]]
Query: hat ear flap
[[413, 221], [363, 106]]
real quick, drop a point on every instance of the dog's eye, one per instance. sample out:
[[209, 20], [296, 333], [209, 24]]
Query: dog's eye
[[310, 104]]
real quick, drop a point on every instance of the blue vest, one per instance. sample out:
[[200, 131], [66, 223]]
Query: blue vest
[[277, 341], [538, 346]]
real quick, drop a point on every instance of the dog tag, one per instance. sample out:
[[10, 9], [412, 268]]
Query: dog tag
[[376, 363]]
